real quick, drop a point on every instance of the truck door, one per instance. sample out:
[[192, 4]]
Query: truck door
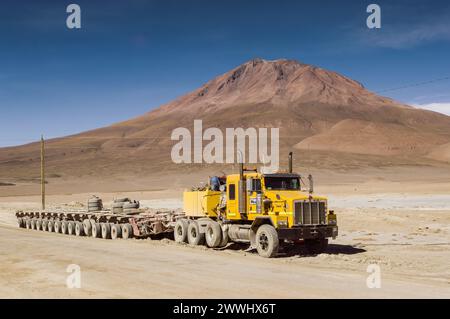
[[232, 203]]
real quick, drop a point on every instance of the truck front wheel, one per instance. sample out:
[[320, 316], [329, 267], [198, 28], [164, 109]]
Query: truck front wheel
[[316, 246], [213, 234], [267, 241]]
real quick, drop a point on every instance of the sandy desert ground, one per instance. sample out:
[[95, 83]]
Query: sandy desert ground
[[400, 225]]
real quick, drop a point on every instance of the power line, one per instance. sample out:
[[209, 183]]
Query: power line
[[415, 84]]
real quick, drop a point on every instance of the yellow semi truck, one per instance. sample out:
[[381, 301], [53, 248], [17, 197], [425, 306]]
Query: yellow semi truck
[[265, 210]]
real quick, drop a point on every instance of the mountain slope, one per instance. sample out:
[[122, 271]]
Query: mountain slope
[[315, 109]]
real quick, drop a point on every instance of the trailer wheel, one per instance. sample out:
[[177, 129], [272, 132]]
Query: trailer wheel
[[195, 237], [79, 229], [27, 223], [127, 231], [44, 224], [96, 230], [181, 230], [316, 246], [64, 227], [213, 234], [267, 241], [116, 231], [87, 227], [33, 223], [70, 227], [38, 224], [57, 226], [106, 230], [50, 226]]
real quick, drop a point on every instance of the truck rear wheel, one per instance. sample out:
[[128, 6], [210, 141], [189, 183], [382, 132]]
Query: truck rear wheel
[[267, 241], [181, 230], [213, 234], [194, 235], [316, 246], [116, 231]]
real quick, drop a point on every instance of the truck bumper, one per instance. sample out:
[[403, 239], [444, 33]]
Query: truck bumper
[[308, 232]]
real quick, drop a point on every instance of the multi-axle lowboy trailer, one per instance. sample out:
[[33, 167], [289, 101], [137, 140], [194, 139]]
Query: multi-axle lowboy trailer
[[102, 224]]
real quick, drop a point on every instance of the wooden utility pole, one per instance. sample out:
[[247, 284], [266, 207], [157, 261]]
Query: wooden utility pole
[[42, 173]]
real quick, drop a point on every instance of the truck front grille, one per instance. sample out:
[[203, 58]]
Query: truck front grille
[[310, 212]]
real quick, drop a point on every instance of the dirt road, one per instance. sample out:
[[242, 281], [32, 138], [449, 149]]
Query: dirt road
[[34, 264]]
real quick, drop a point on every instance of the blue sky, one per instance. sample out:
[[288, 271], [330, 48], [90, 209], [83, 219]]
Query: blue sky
[[131, 56]]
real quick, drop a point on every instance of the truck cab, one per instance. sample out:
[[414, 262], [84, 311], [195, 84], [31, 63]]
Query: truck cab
[[267, 210], [279, 200]]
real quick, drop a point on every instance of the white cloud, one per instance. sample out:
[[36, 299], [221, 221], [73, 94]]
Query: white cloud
[[443, 108]]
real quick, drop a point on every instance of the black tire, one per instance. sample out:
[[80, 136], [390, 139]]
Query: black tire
[[267, 242], [195, 237], [79, 230], [127, 231], [116, 231], [38, 224], [44, 224], [57, 226], [96, 230], [64, 225], [180, 231], [106, 230], [70, 228], [33, 223], [50, 226], [316, 246], [213, 234], [87, 227], [28, 223]]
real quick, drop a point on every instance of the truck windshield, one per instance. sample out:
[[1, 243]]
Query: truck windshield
[[282, 183]]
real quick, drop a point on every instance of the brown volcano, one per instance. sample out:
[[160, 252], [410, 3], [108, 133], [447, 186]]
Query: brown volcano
[[324, 116]]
